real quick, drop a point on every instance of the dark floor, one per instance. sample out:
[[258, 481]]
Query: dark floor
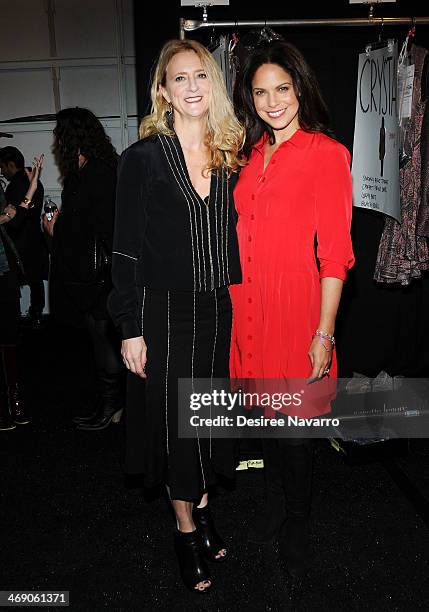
[[70, 521]]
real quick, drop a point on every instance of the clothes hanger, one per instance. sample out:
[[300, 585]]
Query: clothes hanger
[[214, 41]]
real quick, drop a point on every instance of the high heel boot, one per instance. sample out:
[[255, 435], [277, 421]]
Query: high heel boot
[[14, 388], [193, 568], [6, 422], [111, 403], [297, 467], [211, 542]]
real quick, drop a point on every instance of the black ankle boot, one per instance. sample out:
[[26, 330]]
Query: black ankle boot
[[193, 568], [211, 542], [294, 545], [14, 387], [94, 415], [17, 406], [111, 403], [267, 527], [6, 422]]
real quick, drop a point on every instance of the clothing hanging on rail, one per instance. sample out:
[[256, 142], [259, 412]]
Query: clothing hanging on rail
[[403, 255], [222, 56], [423, 217]]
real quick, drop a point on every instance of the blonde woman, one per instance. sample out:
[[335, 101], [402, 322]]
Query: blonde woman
[[175, 253]]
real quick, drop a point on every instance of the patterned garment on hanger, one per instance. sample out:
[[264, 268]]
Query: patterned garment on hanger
[[402, 254], [423, 218]]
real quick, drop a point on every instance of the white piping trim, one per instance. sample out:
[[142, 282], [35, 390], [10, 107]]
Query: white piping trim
[[213, 360], [189, 208], [192, 376], [216, 226], [227, 230], [190, 189], [166, 369], [210, 247], [221, 235], [124, 255], [143, 301]]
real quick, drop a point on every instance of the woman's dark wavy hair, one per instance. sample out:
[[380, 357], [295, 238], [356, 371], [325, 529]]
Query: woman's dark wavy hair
[[79, 130], [312, 113]]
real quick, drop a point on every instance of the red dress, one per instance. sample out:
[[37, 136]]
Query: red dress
[[304, 194]]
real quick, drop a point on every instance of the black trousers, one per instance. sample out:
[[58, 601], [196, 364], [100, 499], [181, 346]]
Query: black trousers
[[288, 471]]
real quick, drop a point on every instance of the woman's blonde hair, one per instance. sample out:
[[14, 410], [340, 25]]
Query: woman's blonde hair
[[225, 135]]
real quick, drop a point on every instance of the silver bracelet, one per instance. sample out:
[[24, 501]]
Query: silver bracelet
[[324, 336]]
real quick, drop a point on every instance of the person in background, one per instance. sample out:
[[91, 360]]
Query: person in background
[[294, 192], [82, 234], [26, 232], [175, 254], [12, 409]]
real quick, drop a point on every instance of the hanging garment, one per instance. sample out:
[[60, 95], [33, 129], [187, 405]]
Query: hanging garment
[[423, 218], [402, 254], [222, 57]]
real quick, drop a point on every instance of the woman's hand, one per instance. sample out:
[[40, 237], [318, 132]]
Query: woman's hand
[[8, 214], [134, 355], [48, 226], [320, 357], [33, 175]]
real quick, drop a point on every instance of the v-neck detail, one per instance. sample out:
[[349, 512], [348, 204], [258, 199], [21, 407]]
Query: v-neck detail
[[206, 199]]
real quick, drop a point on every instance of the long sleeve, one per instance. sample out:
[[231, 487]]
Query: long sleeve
[[130, 223], [334, 212], [15, 194]]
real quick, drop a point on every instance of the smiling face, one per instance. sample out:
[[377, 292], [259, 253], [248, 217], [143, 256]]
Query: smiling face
[[187, 86], [275, 99]]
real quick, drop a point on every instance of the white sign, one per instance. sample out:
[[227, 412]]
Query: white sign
[[375, 167]]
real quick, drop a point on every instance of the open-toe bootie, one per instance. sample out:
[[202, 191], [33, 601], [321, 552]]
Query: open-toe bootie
[[193, 567], [211, 541]]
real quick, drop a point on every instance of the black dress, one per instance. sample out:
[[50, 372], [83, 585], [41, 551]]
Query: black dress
[[174, 256], [87, 212]]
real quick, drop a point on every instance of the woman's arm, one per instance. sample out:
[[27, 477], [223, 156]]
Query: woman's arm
[[320, 351], [17, 219], [334, 247], [130, 224]]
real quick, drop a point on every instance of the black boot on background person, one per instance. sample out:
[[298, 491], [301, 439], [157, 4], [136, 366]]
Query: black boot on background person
[[111, 403], [14, 385], [6, 422], [294, 543]]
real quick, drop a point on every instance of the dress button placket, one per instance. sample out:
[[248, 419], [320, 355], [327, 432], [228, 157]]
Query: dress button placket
[[249, 282]]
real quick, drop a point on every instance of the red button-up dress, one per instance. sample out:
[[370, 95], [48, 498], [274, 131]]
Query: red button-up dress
[[304, 195]]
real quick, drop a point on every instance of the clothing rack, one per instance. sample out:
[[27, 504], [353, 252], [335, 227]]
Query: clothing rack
[[190, 25]]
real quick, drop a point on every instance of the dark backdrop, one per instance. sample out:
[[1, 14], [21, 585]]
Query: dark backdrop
[[379, 327]]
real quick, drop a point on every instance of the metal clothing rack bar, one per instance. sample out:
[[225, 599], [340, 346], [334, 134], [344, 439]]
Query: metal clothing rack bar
[[190, 25]]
